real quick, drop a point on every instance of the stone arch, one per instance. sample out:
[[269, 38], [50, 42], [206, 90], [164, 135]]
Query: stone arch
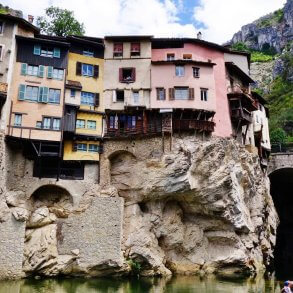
[[281, 190], [280, 161]]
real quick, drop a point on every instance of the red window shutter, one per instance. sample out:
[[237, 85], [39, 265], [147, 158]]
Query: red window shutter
[[120, 75], [164, 94], [78, 68], [191, 93], [118, 47], [171, 94], [133, 74], [96, 71]]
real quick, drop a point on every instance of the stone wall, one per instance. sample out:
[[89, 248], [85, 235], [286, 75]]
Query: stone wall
[[280, 161]]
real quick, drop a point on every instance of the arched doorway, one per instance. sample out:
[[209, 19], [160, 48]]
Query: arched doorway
[[282, 193]]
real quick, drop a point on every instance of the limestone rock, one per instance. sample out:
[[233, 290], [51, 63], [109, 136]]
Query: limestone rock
[[15, 198], [20, 214], [41, 217]]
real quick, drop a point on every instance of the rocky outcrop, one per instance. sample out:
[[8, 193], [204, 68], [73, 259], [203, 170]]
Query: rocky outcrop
[[200, 208], [273, 31]]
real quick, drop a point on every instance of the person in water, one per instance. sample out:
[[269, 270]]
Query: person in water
[[286, 288]]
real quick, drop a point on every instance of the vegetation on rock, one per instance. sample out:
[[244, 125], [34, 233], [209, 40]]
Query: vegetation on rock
[[60, 22], [272, 19]]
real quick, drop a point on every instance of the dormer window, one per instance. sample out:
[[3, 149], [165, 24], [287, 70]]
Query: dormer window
[[118, 50], [187, 56], [47, 51], [135, 49], [170, 56]]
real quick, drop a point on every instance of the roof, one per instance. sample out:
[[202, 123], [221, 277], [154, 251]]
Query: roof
[[239, 72], [95, 42], [128, 38], [259, 97], [183, 61], [72, 84], [58, 41], [21, 21]]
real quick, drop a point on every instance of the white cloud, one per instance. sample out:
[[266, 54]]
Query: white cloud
[[109, 17], [223, 18]]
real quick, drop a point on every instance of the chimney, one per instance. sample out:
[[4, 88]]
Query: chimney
[[199, 35], [30, 18]]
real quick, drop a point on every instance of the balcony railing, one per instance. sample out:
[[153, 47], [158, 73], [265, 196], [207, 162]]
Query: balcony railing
[[193, 124], [238, 89]]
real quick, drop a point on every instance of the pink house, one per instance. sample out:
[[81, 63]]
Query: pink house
[[190, 74]]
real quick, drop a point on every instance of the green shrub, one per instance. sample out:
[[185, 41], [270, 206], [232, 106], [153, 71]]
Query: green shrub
[[135, 267], [257, 56], [278, 135]]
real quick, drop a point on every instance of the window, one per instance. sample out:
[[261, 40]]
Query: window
[[46, 122], [93, 148], [135, 49], [181, 93], [88, 52], [56, 123], [118, 50], [120, 96], [91, 124], [80, 123], [81, 147], [54, 96], [87, 99], [46, 52], [161, 94], [195, 71], [179, 70], [135, 96], [87, 70], [1, 52], [39, 124], [187, 56], [17, 119], [204, 94], [58, 73], [72, 93], [33, 70], [170, 56], [1, 27], [127, 74], [31, 93]]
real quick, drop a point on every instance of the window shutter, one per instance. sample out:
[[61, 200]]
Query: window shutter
[[171, 94], [23, 69], [120, 75], [97, 100], [78, 68], [191, 94], [158, 94], [96, 71], [56, 52], [133, 74], [45, 95], [164, 94], [40, 96], [37, 50], [50, 72], [41, 71], [74, 147], [21, 92]]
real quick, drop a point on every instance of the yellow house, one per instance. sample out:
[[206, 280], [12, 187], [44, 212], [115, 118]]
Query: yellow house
[[84, 110]]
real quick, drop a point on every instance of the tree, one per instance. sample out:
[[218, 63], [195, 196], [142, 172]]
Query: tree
[[60, 22]]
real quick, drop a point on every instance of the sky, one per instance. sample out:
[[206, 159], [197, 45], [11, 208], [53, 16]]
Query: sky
[[218, 20]]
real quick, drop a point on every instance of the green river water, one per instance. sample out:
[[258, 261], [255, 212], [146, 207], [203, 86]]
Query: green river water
[[172, 285]]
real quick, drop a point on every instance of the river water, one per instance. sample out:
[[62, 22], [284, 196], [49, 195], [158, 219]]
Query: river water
[[156, 285]]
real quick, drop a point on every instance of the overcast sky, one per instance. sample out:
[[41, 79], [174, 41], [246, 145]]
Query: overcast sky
[[216, 19]]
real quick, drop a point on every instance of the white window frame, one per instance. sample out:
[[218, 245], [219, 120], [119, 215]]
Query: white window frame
[[180, 69], [182, 93], [20, 119], [204, 97], [77, 125], [88, 122]]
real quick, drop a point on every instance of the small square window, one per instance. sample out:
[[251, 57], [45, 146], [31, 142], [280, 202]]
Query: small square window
[[127, 75], [87, 70], [17, 119], [88, 52], [91, 124], [39, 124], [120, 96], [80, 123], [187, 56], [72, 93], [81, 147], [204, 95], [93, 148], [118, 50], [170, 56], [161, 94], [135, 49], [195, 71], [179, 70]]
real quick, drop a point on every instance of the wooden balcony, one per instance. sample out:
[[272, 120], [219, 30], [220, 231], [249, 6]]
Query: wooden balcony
[[193, 124], [241, 114]]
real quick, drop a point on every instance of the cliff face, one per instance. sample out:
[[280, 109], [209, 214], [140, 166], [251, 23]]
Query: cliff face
[[274, 30], [202, 208]]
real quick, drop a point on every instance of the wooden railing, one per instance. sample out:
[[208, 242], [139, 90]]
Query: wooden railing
[[193, 124], [238, 89], [241, 113], [3, 87]]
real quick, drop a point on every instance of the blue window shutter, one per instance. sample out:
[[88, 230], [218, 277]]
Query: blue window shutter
[[41, 70], [50, 72], [21, 92], [45, 95], [37, 50], [40, 96], [56, 52], [23, 69]]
